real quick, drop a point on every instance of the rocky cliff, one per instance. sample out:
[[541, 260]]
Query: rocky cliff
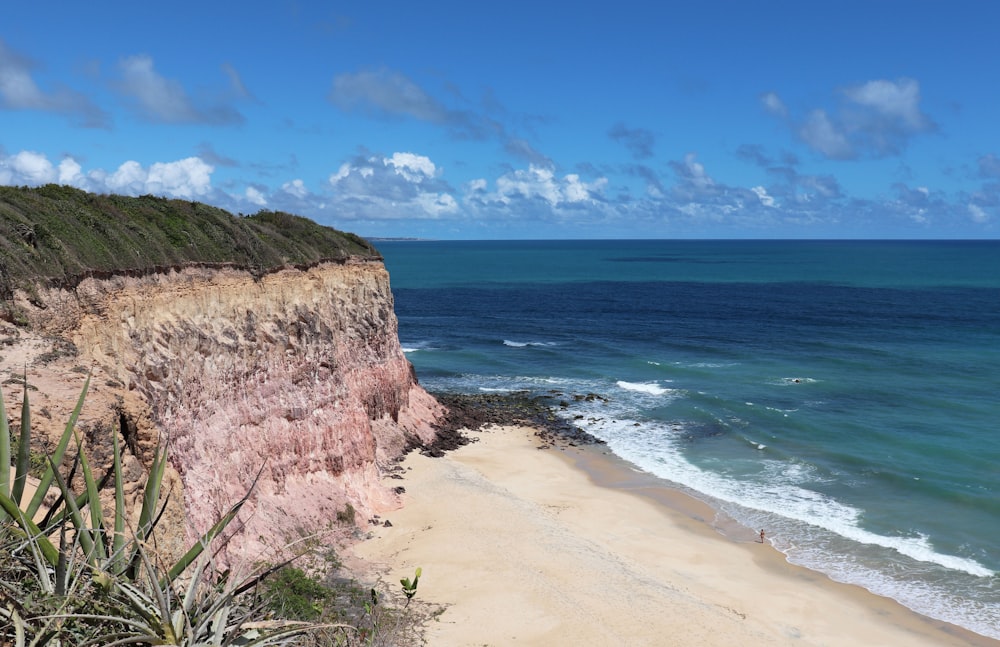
[[295, 373]]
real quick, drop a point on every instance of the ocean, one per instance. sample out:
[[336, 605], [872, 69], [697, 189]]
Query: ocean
[[843, 395]]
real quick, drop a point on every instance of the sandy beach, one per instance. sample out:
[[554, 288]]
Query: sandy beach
[[529, 546]]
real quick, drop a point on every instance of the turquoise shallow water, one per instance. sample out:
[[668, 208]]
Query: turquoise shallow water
[[841, 394]]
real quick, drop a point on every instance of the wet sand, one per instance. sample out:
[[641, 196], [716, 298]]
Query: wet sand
[[529, 546]]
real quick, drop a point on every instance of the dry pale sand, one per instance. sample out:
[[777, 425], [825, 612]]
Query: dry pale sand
[[572, 547]]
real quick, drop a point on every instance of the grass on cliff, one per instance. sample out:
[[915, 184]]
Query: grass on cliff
[[59, 234]]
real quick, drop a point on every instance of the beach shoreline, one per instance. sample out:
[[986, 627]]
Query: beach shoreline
[[572, 545]]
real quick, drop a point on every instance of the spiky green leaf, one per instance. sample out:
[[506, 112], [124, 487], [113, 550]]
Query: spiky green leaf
[[4, 453], [23, 461], [212, 533], [93, 503], [30, 530], [84, 533], [57, 456], [118, 543]]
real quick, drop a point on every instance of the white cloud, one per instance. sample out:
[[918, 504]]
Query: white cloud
[[414, 168], [255, 196], [541, 183], [296, 188], [873, 119], [896, 101], [696, 172], [403, 184], [184, 178], [437, 204], [342, 173], [765, 199], [189, 178], [129, 178], [70, 172], [978, 214], [31, 168]]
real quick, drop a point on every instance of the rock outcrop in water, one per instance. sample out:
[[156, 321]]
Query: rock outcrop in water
[[295, 372]]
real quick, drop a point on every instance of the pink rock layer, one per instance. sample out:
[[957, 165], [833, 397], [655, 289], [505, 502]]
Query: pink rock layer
[[297, 375]]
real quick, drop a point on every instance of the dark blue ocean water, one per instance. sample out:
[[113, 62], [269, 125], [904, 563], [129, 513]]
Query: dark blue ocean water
[[844, 395]]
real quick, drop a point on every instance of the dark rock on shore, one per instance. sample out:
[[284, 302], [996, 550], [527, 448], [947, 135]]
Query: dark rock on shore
[[476, 411]]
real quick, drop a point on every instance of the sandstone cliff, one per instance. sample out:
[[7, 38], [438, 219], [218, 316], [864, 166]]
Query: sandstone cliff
[[297, 372]]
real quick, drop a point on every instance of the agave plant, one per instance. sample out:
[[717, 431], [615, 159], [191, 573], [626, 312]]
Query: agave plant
[[73, 580]]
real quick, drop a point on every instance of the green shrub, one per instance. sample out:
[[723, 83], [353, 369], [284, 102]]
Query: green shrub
[[292, 594]]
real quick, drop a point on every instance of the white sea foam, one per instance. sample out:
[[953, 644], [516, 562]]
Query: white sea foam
[[418, 346], [784, 491], [707, 364], [525, 344], [786, 381], [652, 388]]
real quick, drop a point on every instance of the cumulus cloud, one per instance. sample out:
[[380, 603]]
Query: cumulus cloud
[[71, 173], [158, 99], [414, 168], [28, 168], [873, 119], [373, 194], [402, 185], [638, 141], [189, 178], [552, 202], [255, 196], [295, 188], [541, 184], [19, 91]]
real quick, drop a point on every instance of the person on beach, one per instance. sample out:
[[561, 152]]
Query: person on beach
[[762, 535]]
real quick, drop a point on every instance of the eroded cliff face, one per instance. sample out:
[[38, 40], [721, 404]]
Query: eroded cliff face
[[297, 374]]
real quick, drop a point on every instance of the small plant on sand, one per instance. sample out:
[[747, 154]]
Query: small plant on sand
[[410, 588], [68, 577]]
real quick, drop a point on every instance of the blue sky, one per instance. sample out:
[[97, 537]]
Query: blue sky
[[874, 119]]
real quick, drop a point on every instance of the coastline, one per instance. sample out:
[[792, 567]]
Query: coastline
[[571, 545]]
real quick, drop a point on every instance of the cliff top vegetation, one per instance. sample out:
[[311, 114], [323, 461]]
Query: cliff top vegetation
[[59, 234]]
